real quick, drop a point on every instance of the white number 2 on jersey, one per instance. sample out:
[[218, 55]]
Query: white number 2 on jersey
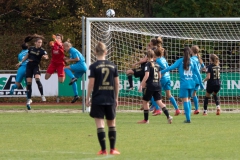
[[188, 73]]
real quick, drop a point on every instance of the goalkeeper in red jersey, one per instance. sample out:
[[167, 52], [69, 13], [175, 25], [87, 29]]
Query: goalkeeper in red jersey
[[57, 61]]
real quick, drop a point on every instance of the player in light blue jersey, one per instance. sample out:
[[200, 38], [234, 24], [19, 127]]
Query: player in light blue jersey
[[187, 68], [197, 59], [79, 67], [165, 81]]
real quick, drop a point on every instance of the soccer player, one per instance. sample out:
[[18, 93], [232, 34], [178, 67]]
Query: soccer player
[[213, 83], [161, 53], [152, 88], [57, 61], [79, 67], [187, 68], [196, 57], [34, 56], [104, 87]]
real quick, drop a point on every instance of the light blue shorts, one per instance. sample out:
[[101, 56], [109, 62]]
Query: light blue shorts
[[185, 93], [78, 69], [165, 84], [21, 74], [196, 87]]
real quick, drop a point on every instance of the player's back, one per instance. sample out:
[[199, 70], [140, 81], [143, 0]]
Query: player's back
[[21, 55], [153, 79], [214, 75], [74, 53], [104, 73]]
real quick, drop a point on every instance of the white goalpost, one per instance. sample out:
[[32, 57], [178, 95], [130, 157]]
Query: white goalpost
[[127, 39]]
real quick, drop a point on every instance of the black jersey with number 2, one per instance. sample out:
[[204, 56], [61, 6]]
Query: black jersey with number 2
[[153, 80], [35, 54], [104, 73], [214, 75]]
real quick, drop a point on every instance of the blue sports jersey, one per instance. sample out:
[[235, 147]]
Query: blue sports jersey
[[163, 65], [186, 77], [199, 66], [21, 55], [74, 53]]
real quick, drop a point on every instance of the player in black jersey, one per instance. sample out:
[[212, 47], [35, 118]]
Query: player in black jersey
[[104, 87], [34, 56], [152, 87], [213, 83]]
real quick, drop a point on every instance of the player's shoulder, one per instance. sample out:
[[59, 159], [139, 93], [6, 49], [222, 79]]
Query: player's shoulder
[[42, 49]]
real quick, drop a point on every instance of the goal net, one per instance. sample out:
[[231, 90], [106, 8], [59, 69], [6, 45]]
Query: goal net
[[127, 39]]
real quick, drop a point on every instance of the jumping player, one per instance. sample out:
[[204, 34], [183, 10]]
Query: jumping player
[[196, 57], [213, 83], [57, 61], [34, 57], [152, 88], [79, 67], [104, 87], [187, 68]]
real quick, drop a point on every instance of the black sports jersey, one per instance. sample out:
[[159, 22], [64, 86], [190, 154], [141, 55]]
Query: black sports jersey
[[214, 75], [104, 73], [153, 80], [35, 54]]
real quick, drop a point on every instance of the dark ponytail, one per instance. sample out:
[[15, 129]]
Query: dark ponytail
[[186, 57], [34, 36]]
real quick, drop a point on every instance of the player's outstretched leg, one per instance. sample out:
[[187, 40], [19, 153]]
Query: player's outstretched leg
[[76, 97], [71, 75]]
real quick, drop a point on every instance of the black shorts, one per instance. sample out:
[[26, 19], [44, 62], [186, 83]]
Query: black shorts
[[32, 69], [99, 111], [148, 94], [139, 73], [210, 89]]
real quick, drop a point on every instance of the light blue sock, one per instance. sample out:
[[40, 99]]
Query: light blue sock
[[69, 73], [186, 110], [74, 87], [154, 104], [190, 107], [195, 100], [174, 103], [12, 88]]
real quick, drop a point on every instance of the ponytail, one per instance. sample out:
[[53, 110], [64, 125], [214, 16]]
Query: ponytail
[[195, 49], [186, 57], [34, 36], [215, 60]]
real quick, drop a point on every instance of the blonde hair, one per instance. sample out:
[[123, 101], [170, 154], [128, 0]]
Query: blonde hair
[[215, 60], [157, 41], [100, 48], [150, 55], [195, 49], [67, 43]]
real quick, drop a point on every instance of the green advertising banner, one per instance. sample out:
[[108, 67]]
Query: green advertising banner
[[230, 85], [64, 89]]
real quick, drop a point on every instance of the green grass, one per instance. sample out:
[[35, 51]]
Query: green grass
[[51, 136]]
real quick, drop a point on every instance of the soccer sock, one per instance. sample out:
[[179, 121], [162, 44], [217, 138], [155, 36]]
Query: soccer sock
[[112, 136], [29, 90], [195, 100], [12, 88], [205, 103], [190, 108], [130, 80], [154, 104], [40, 87], [215, 97], [165, 111], [101, 138], [74, 87], [146, 113], [69, 73], [186, 110], [174, 103]]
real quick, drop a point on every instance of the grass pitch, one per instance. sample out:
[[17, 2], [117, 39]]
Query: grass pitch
[[58, 136]]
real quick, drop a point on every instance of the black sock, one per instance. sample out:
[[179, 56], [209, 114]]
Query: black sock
[[130, 80], [205, 103], [215, 97], [40, 87], [101, 138], [146, 113], [165, 111], [112, 136], [29, 90]]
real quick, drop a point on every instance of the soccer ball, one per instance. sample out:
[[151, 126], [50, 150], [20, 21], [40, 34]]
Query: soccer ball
[[110, 13]]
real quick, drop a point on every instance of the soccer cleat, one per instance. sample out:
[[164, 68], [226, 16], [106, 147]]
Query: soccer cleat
[[114, 152], [43, 98], [29, 101], [75, 98], [187, 121], [143, 122], [204, 113], [102, 152], [11, 93], [28, 107], [157, 112], [170, 118], [196, 112], [72, 81], [218, 111], [177, 112]]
